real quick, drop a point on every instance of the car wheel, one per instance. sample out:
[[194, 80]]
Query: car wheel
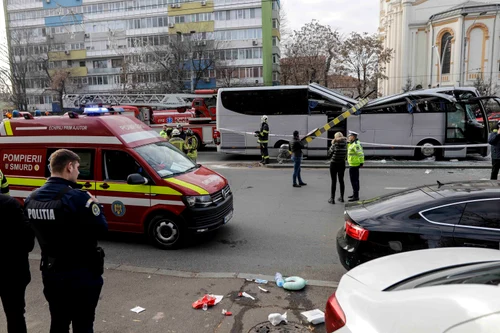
[[428, 149], [166, 232]]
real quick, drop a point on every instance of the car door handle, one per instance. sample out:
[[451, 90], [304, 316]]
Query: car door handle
[[475, 245], [104, 186], [87, 185]]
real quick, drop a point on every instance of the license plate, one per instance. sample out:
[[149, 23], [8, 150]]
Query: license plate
[[228, 217]]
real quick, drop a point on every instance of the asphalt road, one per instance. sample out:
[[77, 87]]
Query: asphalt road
[[275, 227]]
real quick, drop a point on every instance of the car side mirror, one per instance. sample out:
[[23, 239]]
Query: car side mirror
[[136, 179]]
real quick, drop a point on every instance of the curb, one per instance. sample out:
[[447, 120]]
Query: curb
[[199, 275]]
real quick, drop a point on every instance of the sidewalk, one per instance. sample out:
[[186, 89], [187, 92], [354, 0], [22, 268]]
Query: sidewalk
[[167, 299]]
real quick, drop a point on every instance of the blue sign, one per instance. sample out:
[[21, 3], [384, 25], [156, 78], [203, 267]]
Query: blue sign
[[118, 208], [170, 120]]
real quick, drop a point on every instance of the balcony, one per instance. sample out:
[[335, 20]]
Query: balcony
[[73, 71], [104, 70]]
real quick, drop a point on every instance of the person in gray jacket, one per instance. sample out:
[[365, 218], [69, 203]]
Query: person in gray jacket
[[494, 141], [338, 155]]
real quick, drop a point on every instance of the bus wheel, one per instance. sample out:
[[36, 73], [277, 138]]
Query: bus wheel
[[166, 232], [428, 149]]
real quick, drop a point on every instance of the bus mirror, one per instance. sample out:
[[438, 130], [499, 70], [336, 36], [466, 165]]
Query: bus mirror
[[136, 179]]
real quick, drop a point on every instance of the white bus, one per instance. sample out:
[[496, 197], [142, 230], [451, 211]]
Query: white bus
[[389, 126]]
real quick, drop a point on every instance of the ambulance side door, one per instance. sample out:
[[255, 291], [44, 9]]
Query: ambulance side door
[[124, 204], [87, 168]]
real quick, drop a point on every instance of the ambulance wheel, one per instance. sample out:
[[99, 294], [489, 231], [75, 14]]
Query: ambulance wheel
[[166, 232]]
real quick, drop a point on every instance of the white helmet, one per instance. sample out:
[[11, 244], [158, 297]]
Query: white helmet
[[179, 126], [263, 119], [176, 132]]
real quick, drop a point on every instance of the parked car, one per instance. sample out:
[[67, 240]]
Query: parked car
[[448, 290], [443, 215]]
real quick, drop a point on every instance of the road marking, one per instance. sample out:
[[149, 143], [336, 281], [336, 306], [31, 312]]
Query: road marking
[[396, 188]]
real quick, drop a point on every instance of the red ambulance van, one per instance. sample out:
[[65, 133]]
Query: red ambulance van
[[145, 184]]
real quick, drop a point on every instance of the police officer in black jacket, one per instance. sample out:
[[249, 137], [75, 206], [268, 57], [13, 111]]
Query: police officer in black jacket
[[67, 222], [16, 241]]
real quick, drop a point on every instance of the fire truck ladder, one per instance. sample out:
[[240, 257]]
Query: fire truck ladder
[[159, 100]]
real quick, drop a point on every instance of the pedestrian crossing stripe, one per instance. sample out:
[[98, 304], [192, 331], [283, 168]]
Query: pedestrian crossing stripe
[[335, 121]]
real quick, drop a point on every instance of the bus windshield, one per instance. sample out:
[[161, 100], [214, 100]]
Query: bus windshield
[[165, 159]]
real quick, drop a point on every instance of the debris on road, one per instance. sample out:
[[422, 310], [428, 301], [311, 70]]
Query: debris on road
[[244, 294], [206, 301], [259, 281], [276, 318], [226, 313], [314, 317], [137, 309], [264, 290], [428, 171], [294, 283]]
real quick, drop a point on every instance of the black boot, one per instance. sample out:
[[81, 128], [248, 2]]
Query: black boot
[[331, 201], [350, 197], [341, 199], [353, 199]]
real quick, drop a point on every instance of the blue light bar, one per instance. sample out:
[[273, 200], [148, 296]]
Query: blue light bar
[[95, 111]]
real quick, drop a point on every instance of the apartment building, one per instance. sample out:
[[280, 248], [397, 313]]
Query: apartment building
[[107, 46]]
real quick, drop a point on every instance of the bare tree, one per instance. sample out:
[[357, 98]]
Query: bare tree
[[364, 57], [485, 89], [16, 71], [284, 23], [310, 53]]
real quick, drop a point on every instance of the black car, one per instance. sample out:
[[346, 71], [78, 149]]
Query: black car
[[442, 215]]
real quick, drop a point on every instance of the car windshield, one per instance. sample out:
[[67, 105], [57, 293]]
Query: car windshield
[[165, 159]]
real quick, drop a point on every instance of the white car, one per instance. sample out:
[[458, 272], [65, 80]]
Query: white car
[[448, 290]]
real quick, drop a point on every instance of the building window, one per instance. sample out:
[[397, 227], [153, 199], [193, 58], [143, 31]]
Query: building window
[[446, 53], [276, 24]]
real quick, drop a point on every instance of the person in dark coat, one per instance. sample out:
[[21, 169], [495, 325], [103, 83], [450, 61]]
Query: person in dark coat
[[296, 149], [494, 141], [67, 222], [338, 155], [16, 241]]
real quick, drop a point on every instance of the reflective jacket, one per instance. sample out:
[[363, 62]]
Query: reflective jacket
[[4, 184], [177, 142], [263, 134], [190, 148], [355, 155], [164, 134]]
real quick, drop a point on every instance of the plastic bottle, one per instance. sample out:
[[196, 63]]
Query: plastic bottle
[[205, 307], [279, 280]]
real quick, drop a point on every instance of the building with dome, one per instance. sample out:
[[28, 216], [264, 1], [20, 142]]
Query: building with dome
[[440, 42]]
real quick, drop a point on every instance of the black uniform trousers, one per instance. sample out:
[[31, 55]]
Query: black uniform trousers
[[354, 176], [337, 169], [12, 293], [72, 298], [264, 152], [495, 168]]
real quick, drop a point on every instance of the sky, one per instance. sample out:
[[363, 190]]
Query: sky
[[344, 15]]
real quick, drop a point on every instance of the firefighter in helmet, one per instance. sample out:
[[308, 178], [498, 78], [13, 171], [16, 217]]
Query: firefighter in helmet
[[176, 140], [191, 145], [263, 139]]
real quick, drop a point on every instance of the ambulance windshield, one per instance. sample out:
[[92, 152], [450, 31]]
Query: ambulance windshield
[[165, 159]]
